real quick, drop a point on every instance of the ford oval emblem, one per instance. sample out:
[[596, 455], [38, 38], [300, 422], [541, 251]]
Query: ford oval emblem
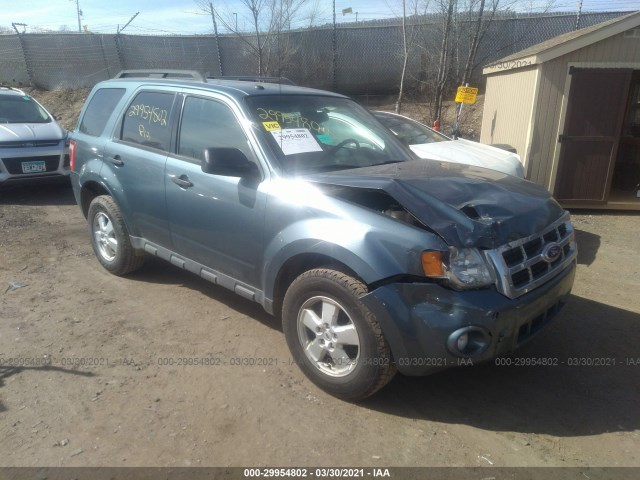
[[551, 252]]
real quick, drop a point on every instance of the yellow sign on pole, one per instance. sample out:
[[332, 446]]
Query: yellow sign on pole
[[466, 95]]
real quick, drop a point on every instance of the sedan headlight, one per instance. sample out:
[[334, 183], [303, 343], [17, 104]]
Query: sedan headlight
[[461, 268]]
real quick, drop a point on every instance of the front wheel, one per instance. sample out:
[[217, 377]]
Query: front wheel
[[110, 238], [334, 338]]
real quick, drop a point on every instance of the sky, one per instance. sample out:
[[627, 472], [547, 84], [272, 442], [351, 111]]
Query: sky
[[184, 16]]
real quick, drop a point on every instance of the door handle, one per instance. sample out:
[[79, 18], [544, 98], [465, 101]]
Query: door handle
[[116, 160], [182, 181]]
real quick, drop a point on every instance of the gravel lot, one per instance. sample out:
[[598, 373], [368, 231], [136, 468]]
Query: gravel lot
[[106, 377]]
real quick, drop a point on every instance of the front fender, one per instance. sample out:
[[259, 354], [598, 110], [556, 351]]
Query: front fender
[[373, 252]]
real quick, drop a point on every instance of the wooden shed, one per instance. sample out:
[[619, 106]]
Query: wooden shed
[[571, 108]]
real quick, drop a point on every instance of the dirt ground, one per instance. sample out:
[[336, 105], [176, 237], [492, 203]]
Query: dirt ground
[[98, 387], [95, 369]]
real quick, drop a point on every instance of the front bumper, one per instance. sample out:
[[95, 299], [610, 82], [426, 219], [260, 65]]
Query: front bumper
[[418, 318], [55, 159]]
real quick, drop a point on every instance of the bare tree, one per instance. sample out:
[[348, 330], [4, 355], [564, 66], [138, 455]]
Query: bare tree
[[282, 46], [405, 55], [464, 25], [481, 19], [256, 8], [315, 10], [447, 7], [270, 24], [408, 43], [539, 7]]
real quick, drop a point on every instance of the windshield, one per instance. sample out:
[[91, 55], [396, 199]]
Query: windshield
[[314, 133], [21, 109], [409, 131]]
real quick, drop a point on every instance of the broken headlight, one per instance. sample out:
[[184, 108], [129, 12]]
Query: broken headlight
[[461, 268]]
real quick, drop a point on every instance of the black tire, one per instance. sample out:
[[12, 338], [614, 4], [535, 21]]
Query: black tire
[[372, 366], [120, 257]]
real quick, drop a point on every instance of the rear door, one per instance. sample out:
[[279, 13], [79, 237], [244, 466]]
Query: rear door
[[136, 160], [589, 142]]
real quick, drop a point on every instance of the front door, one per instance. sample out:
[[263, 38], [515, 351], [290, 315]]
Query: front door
[[215, 220], [589, 142]]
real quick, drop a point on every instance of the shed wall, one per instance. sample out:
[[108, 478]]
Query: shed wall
[[508, 105], [619, 51]]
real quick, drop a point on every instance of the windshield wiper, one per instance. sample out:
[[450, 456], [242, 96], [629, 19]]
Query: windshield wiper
[[329, 168], [388, 162]]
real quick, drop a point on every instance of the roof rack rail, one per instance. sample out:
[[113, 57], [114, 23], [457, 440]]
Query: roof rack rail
[[163, 73], [253, 78]]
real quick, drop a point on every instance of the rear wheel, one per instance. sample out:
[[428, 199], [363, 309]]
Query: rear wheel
[[110, 238], [334, 338]]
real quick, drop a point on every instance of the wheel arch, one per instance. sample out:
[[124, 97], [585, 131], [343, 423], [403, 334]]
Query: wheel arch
[[88, 192], [295, 266], [95, 187]]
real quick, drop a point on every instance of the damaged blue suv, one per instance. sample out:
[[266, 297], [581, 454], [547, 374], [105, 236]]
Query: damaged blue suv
[[300, 200]]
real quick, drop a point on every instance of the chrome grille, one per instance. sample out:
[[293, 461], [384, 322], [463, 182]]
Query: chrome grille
[[524, 264]]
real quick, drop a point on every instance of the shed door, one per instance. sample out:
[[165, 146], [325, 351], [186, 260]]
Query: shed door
[[589, 143]]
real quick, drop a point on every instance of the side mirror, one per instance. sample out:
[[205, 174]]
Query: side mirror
[[228, 162]]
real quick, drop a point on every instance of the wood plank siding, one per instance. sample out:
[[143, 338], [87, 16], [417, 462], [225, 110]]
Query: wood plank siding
[[508, 108], [619, 51]]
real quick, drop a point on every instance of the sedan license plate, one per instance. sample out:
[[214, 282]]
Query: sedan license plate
[[31, 167]]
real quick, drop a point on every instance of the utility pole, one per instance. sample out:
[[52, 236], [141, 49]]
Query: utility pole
[[578, 12], [79, 12], [334, 49], [215, 31]]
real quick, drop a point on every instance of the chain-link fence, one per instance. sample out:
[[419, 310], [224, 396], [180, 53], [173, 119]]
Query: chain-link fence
[[366, 59]]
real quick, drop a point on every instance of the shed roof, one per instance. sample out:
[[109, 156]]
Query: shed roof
[[563, 44]]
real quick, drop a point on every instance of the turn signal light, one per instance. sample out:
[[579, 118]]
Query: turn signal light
[[432, 264]]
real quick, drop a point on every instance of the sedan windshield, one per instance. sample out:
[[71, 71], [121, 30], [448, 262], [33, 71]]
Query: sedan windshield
[[21, 109], [313, 133], [409, 131]]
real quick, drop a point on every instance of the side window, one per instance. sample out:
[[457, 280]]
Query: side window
[[146, 121], [207, 123], [99, 110]]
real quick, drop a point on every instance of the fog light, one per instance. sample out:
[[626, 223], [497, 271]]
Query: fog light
[[468, 341], [462, 342]]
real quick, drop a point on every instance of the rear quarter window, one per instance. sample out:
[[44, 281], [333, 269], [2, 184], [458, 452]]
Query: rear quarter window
[[99, 110], [146, 121]]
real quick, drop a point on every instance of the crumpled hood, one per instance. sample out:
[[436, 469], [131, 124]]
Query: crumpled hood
[[15, 132], [465, 205], [471, 153]]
